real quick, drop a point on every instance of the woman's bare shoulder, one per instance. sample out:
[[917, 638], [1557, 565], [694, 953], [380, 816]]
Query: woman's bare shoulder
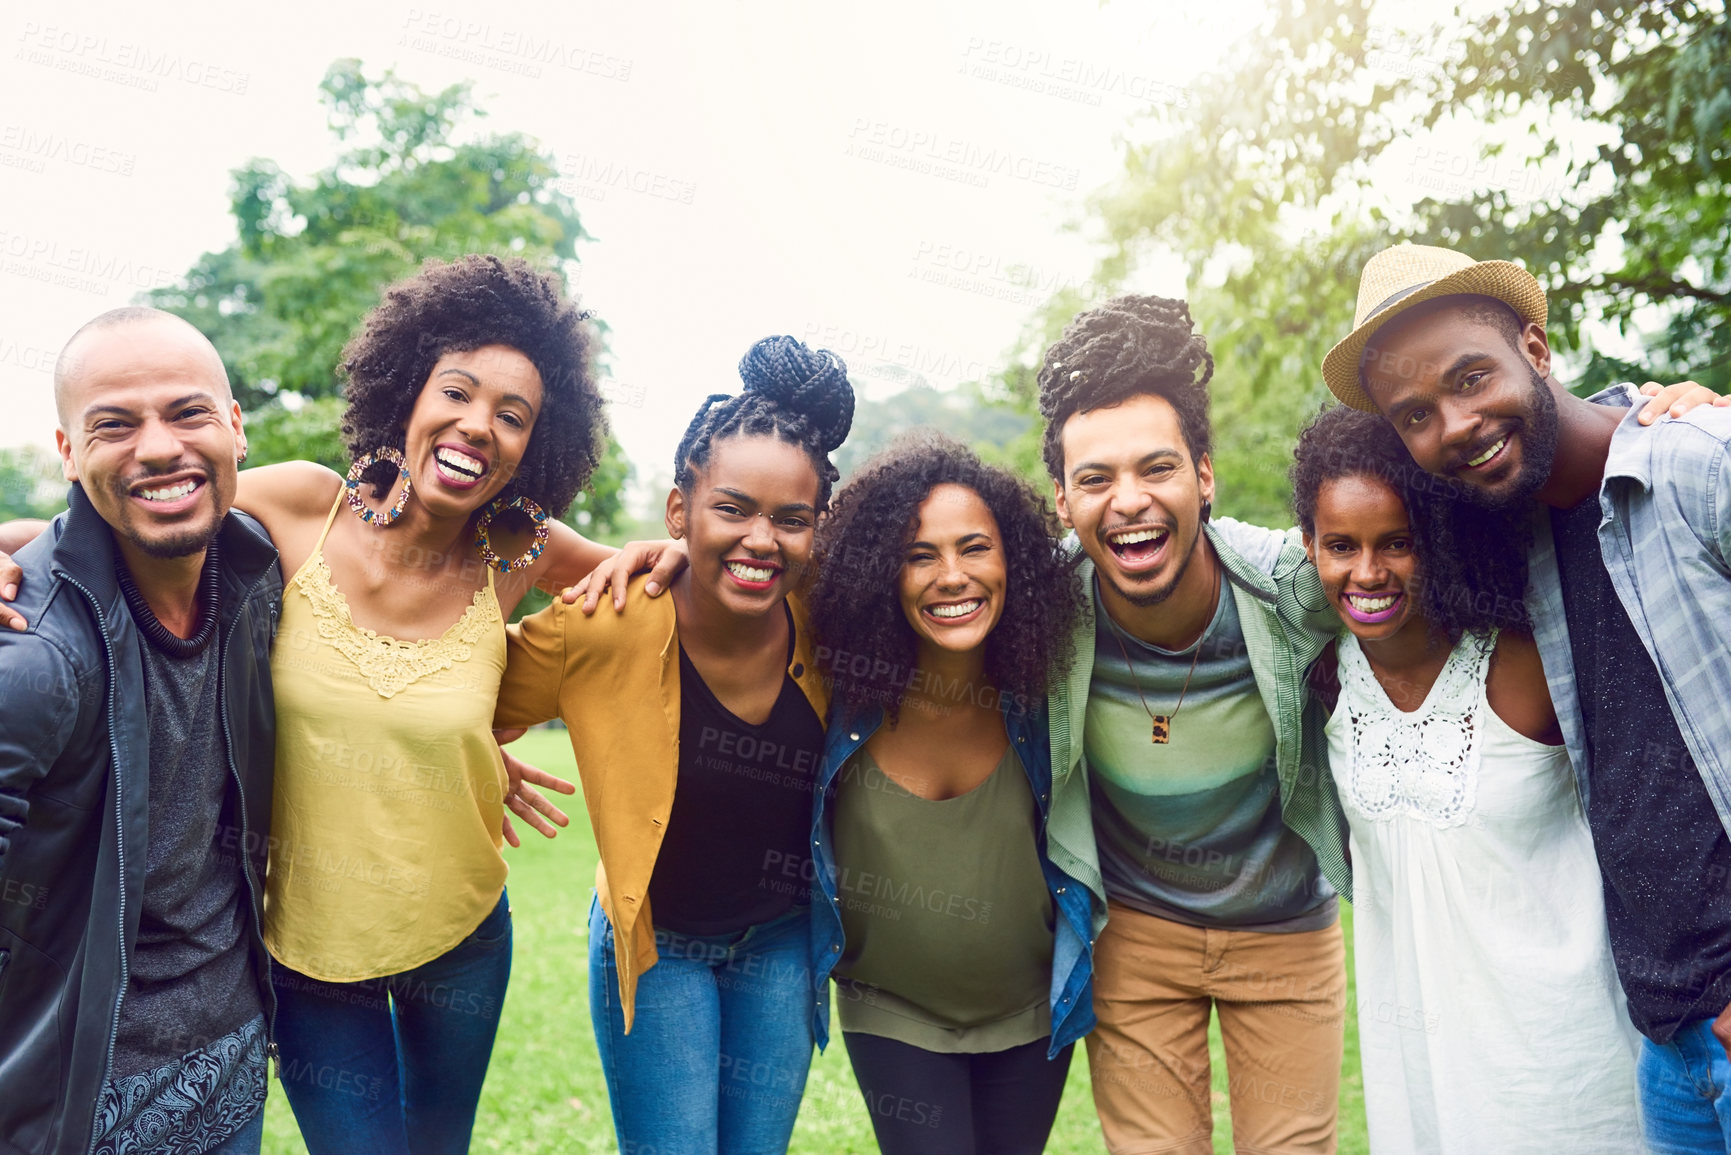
[[292, 490]]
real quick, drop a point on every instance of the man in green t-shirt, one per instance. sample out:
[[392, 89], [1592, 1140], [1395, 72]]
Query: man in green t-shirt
[[1191, 789]]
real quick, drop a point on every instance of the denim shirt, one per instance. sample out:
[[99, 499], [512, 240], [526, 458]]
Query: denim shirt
[[1665, 536], [1072, 993]]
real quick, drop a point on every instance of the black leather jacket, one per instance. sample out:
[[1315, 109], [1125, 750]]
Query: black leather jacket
[[74, 786]]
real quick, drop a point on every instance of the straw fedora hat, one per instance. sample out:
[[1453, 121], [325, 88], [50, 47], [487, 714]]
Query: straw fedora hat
[[1400, 277]]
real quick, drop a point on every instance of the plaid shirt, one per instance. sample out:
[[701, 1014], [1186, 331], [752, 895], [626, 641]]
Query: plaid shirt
[[1665, 535], [1274, 587]]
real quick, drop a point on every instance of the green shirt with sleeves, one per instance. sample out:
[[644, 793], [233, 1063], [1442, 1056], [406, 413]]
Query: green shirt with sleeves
[[1286, 622]]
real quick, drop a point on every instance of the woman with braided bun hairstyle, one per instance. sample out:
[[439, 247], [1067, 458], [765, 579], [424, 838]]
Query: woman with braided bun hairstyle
[[960, 949], [697, 721]]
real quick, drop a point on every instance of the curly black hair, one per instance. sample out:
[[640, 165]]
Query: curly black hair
[[1125, 347], [1472, 561], [868, 646], [796, 393], [460, 306]]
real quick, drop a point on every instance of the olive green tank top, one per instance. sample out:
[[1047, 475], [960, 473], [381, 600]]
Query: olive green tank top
[[947, 918]]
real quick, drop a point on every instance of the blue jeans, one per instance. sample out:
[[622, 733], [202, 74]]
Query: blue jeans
[[720, 1044], [1685, 1107], [395, 1064]]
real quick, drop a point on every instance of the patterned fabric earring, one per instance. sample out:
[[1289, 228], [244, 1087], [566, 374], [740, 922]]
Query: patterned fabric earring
[[485, 545], [352, 486]]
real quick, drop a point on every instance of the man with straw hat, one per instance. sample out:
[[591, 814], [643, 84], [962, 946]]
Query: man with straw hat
[[1630, 594]]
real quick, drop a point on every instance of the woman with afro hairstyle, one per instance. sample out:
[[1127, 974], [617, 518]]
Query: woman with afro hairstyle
[[1480, 942], [700, 983], [472, 395], [960, 949]]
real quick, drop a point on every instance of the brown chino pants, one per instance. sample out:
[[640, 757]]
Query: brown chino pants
[[1282, 1002]]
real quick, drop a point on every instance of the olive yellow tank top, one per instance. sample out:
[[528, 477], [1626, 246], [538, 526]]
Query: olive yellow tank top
[[385, 830]]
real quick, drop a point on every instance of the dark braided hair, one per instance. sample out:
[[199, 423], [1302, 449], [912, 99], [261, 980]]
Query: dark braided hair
[[1125, 347], [798, 394], [460, 306], [1472, 561], [861, 547]]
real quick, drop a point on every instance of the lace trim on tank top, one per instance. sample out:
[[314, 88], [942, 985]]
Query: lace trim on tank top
[[1424, 764], [387, 664]]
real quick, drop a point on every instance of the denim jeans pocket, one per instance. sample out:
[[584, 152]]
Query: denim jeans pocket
[[495, 929]]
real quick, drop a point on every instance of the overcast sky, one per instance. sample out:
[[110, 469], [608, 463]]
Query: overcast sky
[[885, 180]]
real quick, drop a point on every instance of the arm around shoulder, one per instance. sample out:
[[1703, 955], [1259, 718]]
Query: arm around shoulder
[[1256, 544], [569, 557], [16, 534]]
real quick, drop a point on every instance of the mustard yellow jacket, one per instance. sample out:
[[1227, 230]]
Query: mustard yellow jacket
[[614, 680]]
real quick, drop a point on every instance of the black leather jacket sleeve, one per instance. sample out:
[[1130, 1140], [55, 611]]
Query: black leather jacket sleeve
[[38, 709]]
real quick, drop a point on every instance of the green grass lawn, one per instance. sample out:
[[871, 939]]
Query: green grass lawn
[[544, 1089]]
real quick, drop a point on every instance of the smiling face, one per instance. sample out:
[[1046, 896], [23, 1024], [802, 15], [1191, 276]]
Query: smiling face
[[953, 579], [1134, 496], [1362, 545], [470, 427], [1469, 405], [748, 522], [150, 431]]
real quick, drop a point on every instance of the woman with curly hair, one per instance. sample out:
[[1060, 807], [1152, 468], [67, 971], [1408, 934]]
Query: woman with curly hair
[[471, 396], [960, 949], [1480, 941], [699, 973]]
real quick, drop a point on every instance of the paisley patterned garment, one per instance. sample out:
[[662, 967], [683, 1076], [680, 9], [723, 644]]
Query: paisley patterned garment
[[187, 1107]]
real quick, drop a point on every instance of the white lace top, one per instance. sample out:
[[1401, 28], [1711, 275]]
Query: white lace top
[[1424, 764], [1490, 1018]]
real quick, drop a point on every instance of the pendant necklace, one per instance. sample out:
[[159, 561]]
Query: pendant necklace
[[1161, 730]]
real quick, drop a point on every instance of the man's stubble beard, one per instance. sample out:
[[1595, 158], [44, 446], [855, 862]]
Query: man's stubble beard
[[177, 544], [1538, 452], [181, 545]]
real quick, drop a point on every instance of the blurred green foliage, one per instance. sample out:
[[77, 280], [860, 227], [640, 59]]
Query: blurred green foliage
[[1263, 183], [990, 426], [31, 484], [310, 258]]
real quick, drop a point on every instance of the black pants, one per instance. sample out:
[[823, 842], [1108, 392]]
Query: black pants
[[926, 1103]]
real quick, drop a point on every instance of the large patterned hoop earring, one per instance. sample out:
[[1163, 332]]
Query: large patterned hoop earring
[[352, 486], [484, 544]]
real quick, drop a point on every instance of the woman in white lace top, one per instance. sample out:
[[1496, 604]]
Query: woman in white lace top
[[1490, 1017]]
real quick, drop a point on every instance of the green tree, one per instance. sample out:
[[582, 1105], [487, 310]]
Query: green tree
[[310, 258], [599, 511], [1263, 184], [308, 432], [1643, 222]]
